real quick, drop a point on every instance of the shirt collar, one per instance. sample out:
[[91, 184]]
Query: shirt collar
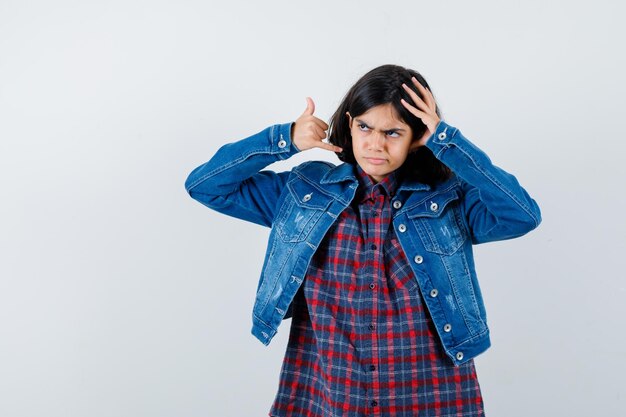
[[368, 189]]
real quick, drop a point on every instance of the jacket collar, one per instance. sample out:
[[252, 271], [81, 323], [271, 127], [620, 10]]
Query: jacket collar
[[340, 173], [346, 172]]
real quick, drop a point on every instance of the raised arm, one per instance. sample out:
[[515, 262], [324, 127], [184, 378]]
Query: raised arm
[[233, 181], [495, 205]]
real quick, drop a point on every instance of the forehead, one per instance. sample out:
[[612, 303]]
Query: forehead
[[383, 116]]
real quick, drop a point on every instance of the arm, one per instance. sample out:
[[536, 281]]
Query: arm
[[495, 205], [233, 182]]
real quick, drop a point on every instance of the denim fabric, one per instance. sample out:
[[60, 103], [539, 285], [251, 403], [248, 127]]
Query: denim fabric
[[436, 226]]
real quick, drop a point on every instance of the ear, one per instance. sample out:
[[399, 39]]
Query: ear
[[349, 119]]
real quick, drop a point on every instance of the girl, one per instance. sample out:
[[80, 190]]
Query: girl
[[372, 258]]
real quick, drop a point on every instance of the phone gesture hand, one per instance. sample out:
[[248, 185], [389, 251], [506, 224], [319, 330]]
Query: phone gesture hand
[[309, 132]]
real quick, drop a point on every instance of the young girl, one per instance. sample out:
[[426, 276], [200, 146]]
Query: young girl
[[372, 258]]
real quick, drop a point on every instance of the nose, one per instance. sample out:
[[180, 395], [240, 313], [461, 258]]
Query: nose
[[377, 141]]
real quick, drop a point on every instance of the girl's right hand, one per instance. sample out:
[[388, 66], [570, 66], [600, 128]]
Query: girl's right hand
[[309, 132]]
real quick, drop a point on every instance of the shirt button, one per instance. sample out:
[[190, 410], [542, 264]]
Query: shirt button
[[374, 403], [371, 327], [372, 367], [397, 204], [434, 292], [282, 143], [402, 228], [442, 136], [418, 259], [459, 356], [434, 206], [373, 247], [375, 214], [447, 328], [372, 286]]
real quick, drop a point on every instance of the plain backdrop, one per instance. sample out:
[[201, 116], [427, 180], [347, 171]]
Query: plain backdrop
[[122, 297]]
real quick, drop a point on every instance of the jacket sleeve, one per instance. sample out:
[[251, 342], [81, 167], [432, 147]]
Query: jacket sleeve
[[495, 205], [233, 181]]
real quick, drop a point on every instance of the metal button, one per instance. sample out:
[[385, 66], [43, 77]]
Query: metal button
[[307, 197], [447, 328], [434, 292], [397, 204], [459, 356], [418, 259], [402, 228], [282, 143], [442, 136], [372, 286], [434, 206]]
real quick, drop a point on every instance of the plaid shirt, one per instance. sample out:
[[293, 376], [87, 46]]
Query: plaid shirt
[[362, 342]]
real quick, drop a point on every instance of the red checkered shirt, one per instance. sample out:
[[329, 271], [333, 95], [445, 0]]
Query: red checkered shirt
[[362, 342]]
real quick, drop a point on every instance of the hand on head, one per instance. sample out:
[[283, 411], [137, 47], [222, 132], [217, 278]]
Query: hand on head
[[425, 109], [309, 132]]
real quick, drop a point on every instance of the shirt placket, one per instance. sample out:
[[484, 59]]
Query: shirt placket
[[373, 218]]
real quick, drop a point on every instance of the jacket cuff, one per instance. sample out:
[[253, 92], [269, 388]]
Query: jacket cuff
[[280, 141], [443, 138]]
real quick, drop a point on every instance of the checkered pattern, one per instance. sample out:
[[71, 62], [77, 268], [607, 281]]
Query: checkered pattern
[[361, 341]]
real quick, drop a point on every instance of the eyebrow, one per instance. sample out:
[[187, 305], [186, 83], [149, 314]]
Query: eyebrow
[[393, 129]]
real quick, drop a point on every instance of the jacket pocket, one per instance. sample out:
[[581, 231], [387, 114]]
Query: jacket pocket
[[439, 223], [302, 208]]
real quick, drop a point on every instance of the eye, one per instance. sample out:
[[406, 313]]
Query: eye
[[392, 133], [363, 127]]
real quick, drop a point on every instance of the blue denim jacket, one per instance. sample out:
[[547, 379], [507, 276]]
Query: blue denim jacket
[[436, 226]]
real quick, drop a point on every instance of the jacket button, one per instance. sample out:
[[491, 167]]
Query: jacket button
[[306, 198], [282, 143], [434, 292], [459, 356], [397, 204], [447, 328], [442, 136], [418, 259], [434, 206], [402, 228]]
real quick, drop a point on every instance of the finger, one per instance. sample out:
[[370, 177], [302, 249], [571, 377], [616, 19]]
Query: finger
[[329, 147], [426, 93], [319, 132], [413, 110], [310, 107], [319, 122], [416, 98]]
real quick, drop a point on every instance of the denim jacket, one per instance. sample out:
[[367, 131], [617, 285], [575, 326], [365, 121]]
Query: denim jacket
[[436, 226]]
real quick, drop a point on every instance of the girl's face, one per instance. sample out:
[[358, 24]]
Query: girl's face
[[380, 140]]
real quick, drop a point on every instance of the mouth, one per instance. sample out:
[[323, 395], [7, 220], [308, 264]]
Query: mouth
[[376, 161]]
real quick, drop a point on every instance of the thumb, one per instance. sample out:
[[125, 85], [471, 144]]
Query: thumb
[[310, 107]]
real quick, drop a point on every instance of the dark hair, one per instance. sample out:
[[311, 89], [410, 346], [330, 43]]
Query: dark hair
[[383, 85]]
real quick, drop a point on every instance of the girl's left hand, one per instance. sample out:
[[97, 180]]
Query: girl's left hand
[[425, 109]]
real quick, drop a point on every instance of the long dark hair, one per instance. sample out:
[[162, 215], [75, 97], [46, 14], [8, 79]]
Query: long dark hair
[[383, 85]]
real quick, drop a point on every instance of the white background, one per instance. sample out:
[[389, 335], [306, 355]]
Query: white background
[[122, 297]]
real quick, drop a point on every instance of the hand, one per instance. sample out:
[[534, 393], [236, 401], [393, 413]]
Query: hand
[[425, 109], [308, 131]]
